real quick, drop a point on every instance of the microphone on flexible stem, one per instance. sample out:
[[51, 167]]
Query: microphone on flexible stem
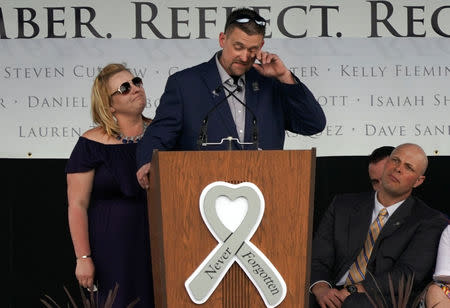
[[203, 136], [254, 122]]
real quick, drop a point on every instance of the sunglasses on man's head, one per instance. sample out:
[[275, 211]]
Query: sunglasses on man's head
[[126, 86], [243, 20]]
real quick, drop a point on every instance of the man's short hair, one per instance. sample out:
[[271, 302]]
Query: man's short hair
[[247, 20], [380, 153]]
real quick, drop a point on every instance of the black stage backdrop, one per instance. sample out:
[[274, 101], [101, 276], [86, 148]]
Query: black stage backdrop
[[39, 257]]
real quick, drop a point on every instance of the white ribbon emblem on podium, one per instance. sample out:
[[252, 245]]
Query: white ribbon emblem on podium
[[235, 246]]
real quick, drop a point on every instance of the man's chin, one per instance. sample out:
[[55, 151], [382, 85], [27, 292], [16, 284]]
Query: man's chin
[[240, 71]]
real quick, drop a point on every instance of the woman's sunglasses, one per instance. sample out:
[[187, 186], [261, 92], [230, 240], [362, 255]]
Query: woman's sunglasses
[[126, 86]]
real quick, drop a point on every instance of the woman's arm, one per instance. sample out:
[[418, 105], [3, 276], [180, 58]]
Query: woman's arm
[[79, 187]]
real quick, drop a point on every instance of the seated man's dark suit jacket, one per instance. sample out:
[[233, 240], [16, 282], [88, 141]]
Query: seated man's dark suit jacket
[[191, 93], [407, 243]]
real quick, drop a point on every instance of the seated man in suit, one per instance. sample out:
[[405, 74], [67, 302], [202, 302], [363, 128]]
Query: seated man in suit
[[365, 238], [377, 159], [247, 101]]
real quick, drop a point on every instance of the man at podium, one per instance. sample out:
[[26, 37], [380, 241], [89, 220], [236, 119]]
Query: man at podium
[[243, 94]]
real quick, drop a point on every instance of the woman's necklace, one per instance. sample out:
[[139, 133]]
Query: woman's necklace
[[134, 139]]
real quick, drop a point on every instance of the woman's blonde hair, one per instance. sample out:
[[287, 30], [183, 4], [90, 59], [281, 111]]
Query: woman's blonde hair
[[101, 99]]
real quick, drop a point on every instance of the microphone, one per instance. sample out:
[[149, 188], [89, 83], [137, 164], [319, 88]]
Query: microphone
[[203, 136], [254, 123]]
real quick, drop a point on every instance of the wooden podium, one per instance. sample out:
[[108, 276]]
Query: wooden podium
[[180, 240]]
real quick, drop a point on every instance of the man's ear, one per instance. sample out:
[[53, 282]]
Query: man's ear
[[419, 181], [222, 37]]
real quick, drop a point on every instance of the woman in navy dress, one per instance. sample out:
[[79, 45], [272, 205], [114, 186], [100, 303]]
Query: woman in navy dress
[[108, 217]]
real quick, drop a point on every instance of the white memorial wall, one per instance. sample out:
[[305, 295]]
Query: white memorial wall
[[380, 69]]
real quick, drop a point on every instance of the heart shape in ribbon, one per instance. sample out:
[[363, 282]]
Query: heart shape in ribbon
[[231, 212]]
